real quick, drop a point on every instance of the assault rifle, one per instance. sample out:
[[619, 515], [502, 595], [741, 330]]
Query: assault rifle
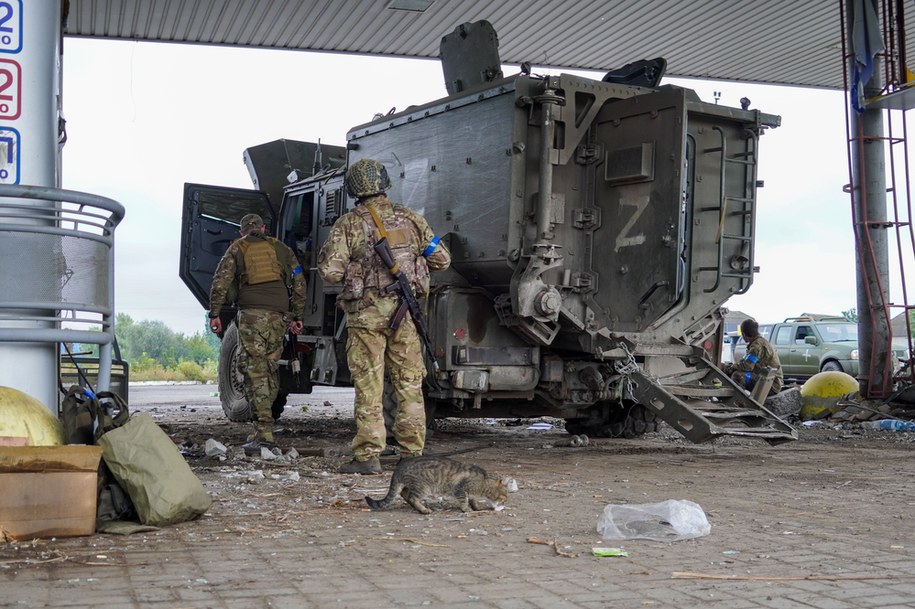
[[408, 302]]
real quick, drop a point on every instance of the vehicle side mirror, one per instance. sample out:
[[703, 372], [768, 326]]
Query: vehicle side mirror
[[811, 340]]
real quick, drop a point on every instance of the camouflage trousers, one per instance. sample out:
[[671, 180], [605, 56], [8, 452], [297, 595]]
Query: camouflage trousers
[[740, 377], [260, 335], [368, 351]]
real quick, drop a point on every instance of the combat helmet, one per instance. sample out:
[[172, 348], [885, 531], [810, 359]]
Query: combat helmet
[[366, 177]]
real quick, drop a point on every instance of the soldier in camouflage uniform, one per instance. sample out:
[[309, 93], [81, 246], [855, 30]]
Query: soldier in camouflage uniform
[[348, 256], [267, 278], [760, 355]]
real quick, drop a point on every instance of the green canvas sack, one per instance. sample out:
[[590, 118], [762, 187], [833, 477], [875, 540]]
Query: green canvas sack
[[147, 464], [86, 416]]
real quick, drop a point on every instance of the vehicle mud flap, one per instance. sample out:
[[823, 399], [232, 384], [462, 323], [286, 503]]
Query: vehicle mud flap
[[705, 404]]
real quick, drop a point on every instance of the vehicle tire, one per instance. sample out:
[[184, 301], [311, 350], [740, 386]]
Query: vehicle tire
[[389, 411], [232, 383], [832, 366], [576, 427], [639, 421], [279, 404], [629, 423]]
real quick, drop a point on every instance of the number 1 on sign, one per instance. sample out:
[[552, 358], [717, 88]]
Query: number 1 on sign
[[9, 156]]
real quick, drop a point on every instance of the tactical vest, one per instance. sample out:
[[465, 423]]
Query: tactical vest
[[260, 262], [370, 272]]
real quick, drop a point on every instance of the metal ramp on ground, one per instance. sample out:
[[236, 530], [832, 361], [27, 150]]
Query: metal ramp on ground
[[705, 404]]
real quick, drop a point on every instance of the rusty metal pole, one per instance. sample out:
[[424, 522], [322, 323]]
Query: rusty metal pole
[[868, 165]]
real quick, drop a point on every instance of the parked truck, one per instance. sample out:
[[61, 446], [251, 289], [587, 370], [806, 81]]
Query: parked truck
[[596, 228], [810, 344]]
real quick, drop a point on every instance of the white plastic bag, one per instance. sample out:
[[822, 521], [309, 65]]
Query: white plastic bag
[[671, 520]]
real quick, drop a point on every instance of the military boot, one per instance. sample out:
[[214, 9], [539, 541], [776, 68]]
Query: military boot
[[371, 466], [261, 438], [253, 448], [262, 431]]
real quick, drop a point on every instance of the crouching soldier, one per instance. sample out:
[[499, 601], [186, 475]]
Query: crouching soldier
[[760, 356]]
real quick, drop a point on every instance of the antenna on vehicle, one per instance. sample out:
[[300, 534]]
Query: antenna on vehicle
[[316, 169]]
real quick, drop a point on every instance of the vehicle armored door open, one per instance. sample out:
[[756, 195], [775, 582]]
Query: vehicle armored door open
[[304, 220], [209, 223]]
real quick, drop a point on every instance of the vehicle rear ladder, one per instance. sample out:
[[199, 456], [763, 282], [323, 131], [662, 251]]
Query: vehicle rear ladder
[[705, 403], [742, 205]]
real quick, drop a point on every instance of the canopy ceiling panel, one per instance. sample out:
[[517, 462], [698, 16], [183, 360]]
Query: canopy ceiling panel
[[791, 42]]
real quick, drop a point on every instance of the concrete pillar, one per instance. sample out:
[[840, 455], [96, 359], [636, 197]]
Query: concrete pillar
[[30, 56]]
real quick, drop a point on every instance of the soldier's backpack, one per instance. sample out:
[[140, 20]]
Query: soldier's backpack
[[86, 416], [78, 412]]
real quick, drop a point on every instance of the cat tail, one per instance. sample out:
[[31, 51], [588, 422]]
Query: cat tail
[[380, 504]]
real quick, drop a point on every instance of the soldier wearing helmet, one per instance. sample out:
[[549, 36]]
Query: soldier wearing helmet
[[265, 281], [348, 256]]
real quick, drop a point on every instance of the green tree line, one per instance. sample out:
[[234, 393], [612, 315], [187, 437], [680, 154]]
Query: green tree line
[[156, 352]]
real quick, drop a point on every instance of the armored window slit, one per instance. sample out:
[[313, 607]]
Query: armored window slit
[[628, 165]]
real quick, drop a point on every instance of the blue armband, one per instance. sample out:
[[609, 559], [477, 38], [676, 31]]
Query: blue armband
[[89, 394], [751, 358], [748, 379], [431, 247], [297, 269]]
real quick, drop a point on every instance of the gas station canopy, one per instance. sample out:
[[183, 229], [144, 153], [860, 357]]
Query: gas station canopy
[[763, 41]]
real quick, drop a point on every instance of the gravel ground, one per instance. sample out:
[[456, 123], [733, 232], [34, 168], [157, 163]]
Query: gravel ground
[[820, 522]]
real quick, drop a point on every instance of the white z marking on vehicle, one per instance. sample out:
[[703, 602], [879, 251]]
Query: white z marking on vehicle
[[623, 239]]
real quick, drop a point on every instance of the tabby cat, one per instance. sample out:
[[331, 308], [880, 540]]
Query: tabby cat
[[419, 477]]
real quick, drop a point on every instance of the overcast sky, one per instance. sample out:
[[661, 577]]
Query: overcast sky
[[144, 118]]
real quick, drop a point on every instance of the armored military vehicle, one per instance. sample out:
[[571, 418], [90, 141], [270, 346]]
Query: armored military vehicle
[[596, 228]]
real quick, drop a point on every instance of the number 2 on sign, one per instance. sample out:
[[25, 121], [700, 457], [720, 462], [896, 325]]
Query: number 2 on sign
[[10, 88], [10, 26]]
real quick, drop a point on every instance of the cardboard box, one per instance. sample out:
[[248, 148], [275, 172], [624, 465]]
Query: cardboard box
[[48, 491]]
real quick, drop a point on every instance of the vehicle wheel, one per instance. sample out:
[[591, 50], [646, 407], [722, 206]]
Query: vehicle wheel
[[279, 404], [629, 423], [576, 427], [232, 383], [639, 421], [389, 411], [831, 366]]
